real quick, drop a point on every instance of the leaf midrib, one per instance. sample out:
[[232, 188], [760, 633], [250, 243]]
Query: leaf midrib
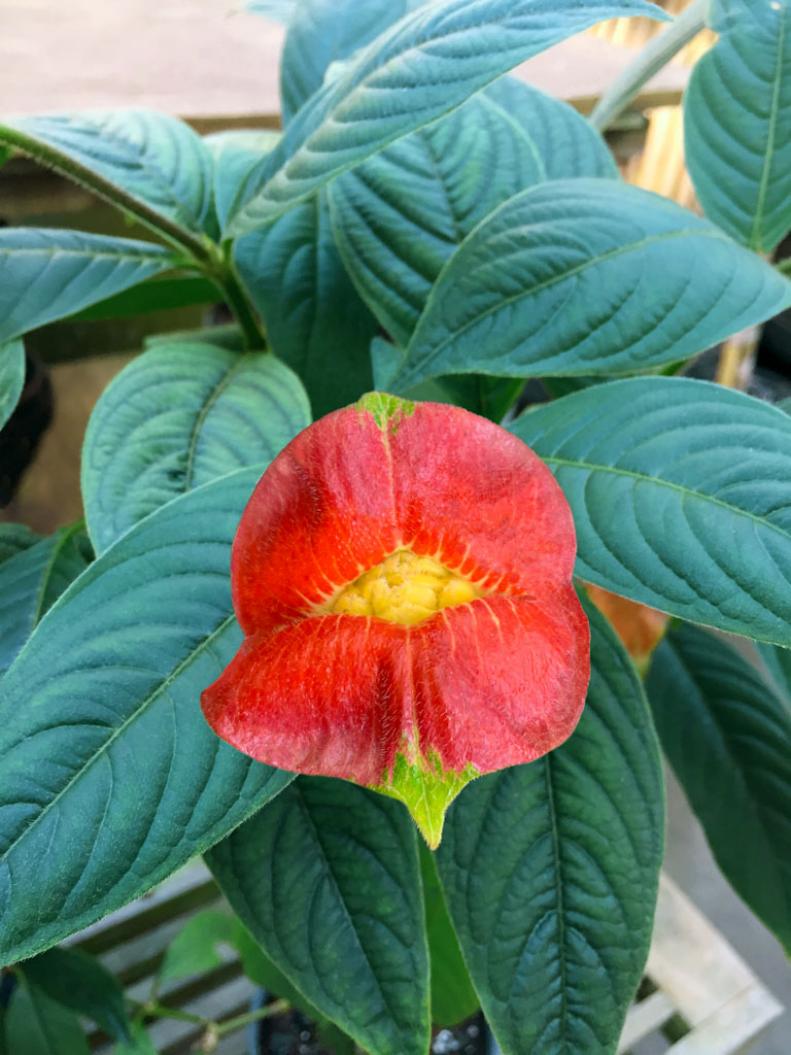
[[161, 687], [420, 364], [238, 363], [661, 482], [756, 240]]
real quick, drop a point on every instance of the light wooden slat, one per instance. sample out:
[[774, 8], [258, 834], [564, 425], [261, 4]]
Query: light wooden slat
[[644, 1019], [690, 960], [732, 1026]]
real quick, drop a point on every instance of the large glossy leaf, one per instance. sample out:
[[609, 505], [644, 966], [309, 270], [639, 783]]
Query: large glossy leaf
[[399, 216], [423, 67], [80, 982], [156, 159], [551, 872], [32, 579], [314, 319], [737, 121], [327, 880], [727, 734], [12, 378], [108, 772], [579, 277], [178, 416], [48, 274], [680, 497], [321, 32], [37, 1025], [453, 998]]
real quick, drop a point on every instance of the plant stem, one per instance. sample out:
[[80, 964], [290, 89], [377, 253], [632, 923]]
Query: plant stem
[[154, 1009], [654, 56], [193, 244], [231, 1025], [202, 253]]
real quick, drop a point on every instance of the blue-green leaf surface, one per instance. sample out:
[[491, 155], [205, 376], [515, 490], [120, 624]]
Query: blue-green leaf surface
[[327, 880], [12, 378], [14, 538], [156, 159], [321, 32], [680, 497], [551, 872], [177, 417], [426, 65], [314, 319], [737, 121], [48, 274], [727, 734], [235, 154], [579, 277], [108, 771], [399, 216], [32, 579]]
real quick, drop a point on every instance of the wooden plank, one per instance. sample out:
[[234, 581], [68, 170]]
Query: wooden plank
[[691, 961], [732, 1026], [645, 1018], [214, 63]]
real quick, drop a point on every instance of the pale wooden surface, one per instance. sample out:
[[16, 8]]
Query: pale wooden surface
[[210, 60]]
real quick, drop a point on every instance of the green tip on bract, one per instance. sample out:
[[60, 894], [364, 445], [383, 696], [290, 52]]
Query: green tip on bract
[[385, 408], [427, 790]]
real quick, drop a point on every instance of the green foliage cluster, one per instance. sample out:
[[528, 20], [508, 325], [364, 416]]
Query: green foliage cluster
[[430, 226]]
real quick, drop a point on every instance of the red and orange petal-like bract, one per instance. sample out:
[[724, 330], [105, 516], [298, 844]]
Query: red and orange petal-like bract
[[402, 574]]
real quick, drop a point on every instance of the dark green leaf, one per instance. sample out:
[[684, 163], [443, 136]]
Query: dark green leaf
[[158, 294], [327, 880], [727, 734], [37, 1025], [14, 539], [235, 154], [156, 159], [440, 55], [580, 277], [48, 274], [32, 580], [107, 767], [679, 491], [177, 417], [314, 319], [551, 872], [737, 121], [452, 996], [12, 378], [399, 216], [321, 32], [78, 981]]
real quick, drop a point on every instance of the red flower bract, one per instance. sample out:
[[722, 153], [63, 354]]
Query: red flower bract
[[402, 574]]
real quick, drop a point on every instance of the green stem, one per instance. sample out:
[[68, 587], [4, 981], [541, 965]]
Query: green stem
[[654, 56], [194, 245], [231, 1025], [237, 300], [202, 253], [154, 1009], [784, 267]]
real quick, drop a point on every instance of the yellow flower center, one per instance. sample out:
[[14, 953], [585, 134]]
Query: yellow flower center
[[405, 589]]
